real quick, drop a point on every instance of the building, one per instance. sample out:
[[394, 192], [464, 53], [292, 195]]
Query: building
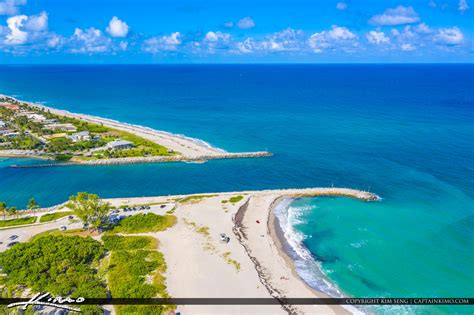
[[36, 117], [119, 144], [14, 107], [2, 124], [62, 127], [80, 136]]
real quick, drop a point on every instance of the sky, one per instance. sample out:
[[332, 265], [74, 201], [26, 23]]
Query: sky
[[244, 31]]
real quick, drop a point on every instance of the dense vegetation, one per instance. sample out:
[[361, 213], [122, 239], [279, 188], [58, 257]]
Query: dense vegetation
[[54, 216], [142, 223], [61, 265]]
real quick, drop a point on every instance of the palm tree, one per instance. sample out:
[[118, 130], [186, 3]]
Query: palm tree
[[3, 209], [12, 211], [32, 205]]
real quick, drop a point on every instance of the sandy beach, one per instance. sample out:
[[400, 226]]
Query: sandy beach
[[189, 148], [200, 266]]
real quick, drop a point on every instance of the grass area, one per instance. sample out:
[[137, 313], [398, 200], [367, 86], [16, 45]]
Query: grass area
[[234, 199], [137, 274], [42, 234], [142, 223], [54, 216], [19, 221], [117, 242], [195, 198]]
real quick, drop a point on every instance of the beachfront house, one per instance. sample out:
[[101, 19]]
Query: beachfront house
[[80, 136], [119, 144], [62, 127]]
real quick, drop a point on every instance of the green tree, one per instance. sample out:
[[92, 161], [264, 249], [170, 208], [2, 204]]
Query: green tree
[[3, 209], [90, 209], [32, 205], [12, 211]]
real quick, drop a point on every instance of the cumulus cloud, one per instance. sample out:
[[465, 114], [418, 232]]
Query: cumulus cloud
[[463, 6], [91, 40], [10, 7], [246, 23], [449, 36], [117, 28], [396, 16], [163, 43], [338, 36], [214, 37], [16, 35], [37, 23], [377, 37], [341, 6]]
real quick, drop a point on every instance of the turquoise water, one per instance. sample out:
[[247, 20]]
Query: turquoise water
[[403, 131]]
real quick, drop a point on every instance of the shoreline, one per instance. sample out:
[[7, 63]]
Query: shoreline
[[284, 249], [289, 284], [190, 149]]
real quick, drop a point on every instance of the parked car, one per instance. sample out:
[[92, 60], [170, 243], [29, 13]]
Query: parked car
[[11, 244], [63, 228], [13, 237]]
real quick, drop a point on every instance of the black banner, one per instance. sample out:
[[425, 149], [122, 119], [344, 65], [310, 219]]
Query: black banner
[[266, 301]]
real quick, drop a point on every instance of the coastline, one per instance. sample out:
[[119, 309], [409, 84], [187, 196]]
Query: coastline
[[190, 149], [250, 265]]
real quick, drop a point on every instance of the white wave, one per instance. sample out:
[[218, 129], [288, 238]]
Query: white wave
[[307, 267]]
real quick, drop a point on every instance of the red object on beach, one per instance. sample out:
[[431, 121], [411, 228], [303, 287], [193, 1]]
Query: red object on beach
[[258, 221]]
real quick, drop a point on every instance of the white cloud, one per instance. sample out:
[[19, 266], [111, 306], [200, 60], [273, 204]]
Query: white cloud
[[55, 41], [10, 7], [341, 6], [463, 6], [216, 36], [246, 23], [16, 35], [37, 23], [91, 40], [449, 36], [117, 28], [377, 37], [162, 43], [287, 40], [338, 36], [407, 47], [229, 24], [247, 46], [396, 16]]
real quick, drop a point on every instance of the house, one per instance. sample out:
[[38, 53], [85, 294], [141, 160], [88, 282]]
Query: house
[[36, 117], [80, 136], [13, 107], [63, 127], [120, 144]]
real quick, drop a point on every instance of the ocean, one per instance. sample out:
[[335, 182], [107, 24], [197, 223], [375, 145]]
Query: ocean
[[404, 132]]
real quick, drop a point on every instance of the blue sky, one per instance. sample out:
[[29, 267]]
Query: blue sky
[[258, 31]]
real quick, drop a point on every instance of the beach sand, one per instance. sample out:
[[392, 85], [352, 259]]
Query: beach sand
[[200, 266]]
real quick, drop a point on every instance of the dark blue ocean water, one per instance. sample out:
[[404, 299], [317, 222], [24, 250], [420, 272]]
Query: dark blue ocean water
[[405, 132]]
